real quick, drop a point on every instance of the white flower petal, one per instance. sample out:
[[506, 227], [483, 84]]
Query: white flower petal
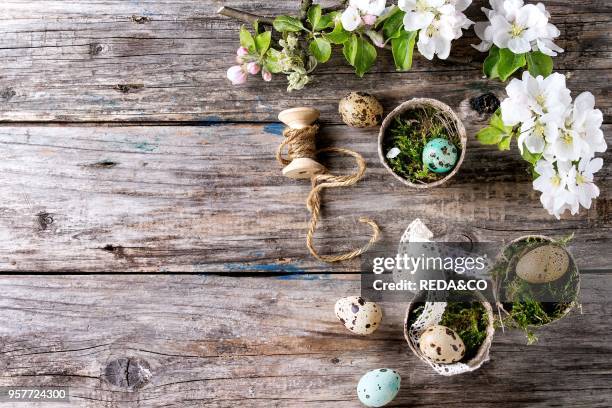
[[417, 20], [514, 112], [393, 152], [407, 5], [519, 45], [350, 19], [426, 46]]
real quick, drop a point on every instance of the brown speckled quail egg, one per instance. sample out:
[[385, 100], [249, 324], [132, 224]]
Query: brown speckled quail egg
[[360, 110], [441, 345], [543, 264], [357, 315]]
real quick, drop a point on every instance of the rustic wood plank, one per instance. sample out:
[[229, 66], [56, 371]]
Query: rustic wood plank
[[221, 341], [212, 198], [166, 60]]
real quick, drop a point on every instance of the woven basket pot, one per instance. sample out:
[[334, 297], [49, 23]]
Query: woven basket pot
[[440, 107], [510, 271], [482, 354]]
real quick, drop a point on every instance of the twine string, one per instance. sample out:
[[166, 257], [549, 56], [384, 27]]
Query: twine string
[[301, 143]]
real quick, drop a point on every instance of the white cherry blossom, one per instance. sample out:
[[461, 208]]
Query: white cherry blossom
[[351, 19], [438, 22], [419, 13], [437, 38], [547, 97], [371, 7], [586, 122], [361, 12], [552, 183], [517, 26], [583, 186]]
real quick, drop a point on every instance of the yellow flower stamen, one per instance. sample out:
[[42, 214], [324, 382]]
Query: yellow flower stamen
[[516, 30], [555, 180]]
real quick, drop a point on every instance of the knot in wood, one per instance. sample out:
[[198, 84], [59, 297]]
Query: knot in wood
[[131, 373], [44, 220], [486, 103], [7, 93]]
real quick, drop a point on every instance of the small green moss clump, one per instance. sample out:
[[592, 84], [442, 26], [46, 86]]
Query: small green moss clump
[[468, 319], [410, 132]]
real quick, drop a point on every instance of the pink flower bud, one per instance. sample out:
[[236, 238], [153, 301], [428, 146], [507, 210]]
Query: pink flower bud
[[237, 75], [266, 75], [369, 19], [242, 52], [253, 68]]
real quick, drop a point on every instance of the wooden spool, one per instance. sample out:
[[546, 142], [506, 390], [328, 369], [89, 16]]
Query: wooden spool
[[299, 118]]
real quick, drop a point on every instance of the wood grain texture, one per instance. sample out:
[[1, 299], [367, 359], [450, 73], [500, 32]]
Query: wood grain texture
[[165, 60], [260, 342], [212, 198]]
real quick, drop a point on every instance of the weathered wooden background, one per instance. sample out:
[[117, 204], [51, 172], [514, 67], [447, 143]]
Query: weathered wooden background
[[123, 147]]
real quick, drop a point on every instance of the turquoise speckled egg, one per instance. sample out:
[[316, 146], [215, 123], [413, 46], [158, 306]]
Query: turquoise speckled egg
[[440, 155], [377, 388]]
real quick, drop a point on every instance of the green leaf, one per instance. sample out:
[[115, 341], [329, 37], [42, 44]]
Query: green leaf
[[497, 122], [539, 64], [272, 61], [339, 35], [387, 13], [402, 48], [246, 40], [509, 63], [320, 48], [326, 21], [288, 24], [394, 25], [530, 157], [314, 15], [490, 135], [504, 144], [360, 54], [262, 42], [490, 64]]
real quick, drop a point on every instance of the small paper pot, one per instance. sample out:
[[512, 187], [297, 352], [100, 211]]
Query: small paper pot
[[510, 271], [482, 355], [448, 114]]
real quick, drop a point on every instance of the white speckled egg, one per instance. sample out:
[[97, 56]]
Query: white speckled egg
[[546, 263], [360, 110], [378, 387], [357, 315], [441, 345]]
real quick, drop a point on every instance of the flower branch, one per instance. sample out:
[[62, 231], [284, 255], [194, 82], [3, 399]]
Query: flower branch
[[359, 27]]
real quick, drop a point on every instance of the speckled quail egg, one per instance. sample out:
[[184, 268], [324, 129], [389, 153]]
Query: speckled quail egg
[[378, 387], [357, 315], [440, 155], [441, 345], [360, 110], [546, 263]]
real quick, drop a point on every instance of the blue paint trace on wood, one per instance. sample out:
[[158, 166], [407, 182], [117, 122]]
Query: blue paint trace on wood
[[303, 276], [211, 120], [274, 128], [145, 146], [289, 271], [263, 268]]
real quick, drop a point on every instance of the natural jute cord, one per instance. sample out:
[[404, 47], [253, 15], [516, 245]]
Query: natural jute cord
[[301, 143]]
